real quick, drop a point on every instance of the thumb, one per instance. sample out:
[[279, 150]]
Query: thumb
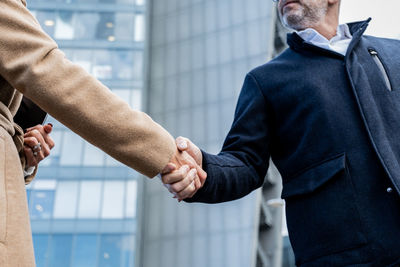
[[202, 174], [181, 143], [185, 144], [48, 128], [169, 168]]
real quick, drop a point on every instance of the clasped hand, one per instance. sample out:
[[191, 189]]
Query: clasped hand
[[37, 144], [184, 175]]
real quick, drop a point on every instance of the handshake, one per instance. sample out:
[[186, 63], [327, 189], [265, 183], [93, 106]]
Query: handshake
[[183, 176]]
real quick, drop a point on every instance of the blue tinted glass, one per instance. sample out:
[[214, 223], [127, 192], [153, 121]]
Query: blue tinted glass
[[60, 252], [28, 195], [41, 204], [110, 251], [85, 251], [123, 64], [128, 251], [41, 244]]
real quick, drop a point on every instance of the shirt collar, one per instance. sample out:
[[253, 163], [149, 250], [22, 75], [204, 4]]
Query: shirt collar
[[312, 36]]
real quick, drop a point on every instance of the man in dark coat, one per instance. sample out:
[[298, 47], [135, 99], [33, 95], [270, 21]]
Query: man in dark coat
[[327, 110]]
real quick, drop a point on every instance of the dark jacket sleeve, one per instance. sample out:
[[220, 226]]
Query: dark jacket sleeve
[[243, 162]]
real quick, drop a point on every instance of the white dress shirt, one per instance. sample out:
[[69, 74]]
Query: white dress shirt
[[339, 43]]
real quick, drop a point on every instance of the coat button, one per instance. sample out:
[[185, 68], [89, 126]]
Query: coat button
[[389, 190]]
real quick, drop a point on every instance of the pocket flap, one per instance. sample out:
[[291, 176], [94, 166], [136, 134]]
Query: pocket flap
[[309, 180]]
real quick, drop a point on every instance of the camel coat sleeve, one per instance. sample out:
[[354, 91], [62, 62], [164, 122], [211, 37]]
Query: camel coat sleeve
[[32, 63]]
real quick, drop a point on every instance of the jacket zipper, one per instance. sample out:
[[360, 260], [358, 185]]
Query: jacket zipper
[[381, 67]]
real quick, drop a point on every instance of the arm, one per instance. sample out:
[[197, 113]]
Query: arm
[[243, 162], [32, 63]]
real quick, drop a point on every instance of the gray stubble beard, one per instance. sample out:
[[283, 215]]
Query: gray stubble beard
[[309, 17]]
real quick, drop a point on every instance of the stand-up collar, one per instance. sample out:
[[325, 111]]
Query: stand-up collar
[[299, 44]]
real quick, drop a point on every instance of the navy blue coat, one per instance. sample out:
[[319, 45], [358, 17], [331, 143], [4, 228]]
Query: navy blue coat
[[331, 124]]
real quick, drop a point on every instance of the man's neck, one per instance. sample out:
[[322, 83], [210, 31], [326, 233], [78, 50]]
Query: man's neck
[[328, 26], [327, 29]]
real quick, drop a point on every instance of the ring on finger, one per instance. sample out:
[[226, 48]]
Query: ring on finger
[[37, 147]]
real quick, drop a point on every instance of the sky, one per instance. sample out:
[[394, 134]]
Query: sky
[[385, 15]]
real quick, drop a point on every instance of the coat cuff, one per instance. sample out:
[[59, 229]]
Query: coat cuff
[[29, 178]]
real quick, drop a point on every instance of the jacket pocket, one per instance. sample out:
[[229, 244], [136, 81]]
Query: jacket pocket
[[3, 196], [375, 56], [322, 215]]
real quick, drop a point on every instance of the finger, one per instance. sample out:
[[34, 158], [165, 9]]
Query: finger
[[181, 143], [44, 132], [30, 141], [181, 185], [38, 135], [197, 185], [48, 128], [50, 142], [197, 182], [34, 127], [192, 194], [169, 168], [201, 173], [185, 144], [176, 176], [39, 156], [30, 159], [188, 191]]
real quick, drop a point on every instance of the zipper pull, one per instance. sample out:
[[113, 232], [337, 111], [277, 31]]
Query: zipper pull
[[372, 52]]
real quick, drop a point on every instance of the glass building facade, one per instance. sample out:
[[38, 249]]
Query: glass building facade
[[83, 204], [200, 53], [186, 70]]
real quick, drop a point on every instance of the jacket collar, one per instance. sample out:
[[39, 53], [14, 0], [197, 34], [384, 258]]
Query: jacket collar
[[357, 29]]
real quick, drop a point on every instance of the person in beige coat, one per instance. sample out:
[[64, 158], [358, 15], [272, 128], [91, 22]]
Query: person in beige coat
[[32, 65]]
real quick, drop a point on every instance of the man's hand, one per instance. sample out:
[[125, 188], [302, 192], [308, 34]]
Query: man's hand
[[37, 144], [187, 180]]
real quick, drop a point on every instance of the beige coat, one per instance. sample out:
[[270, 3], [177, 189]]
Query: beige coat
[[31, 63]]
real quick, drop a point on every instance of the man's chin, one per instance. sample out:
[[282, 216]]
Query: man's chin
[[293, 22]]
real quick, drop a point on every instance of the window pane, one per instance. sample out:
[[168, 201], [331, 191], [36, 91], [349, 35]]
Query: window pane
[[137, 66], [93, 156], [85, 251], [42, 199], [110, 251], [102, 68], [63, 27], [83, 58], [42, 204], [136, 100], [66, 200], [123, 93], [86, 25], [124, 26], [111, 162], [44, 184], [139, 28], [131, 197], [123, 65], [103, 31], [113, 200], [71, 152], [90, 199], [47, 20], [60, 252], [128, 250], [41, 245]]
